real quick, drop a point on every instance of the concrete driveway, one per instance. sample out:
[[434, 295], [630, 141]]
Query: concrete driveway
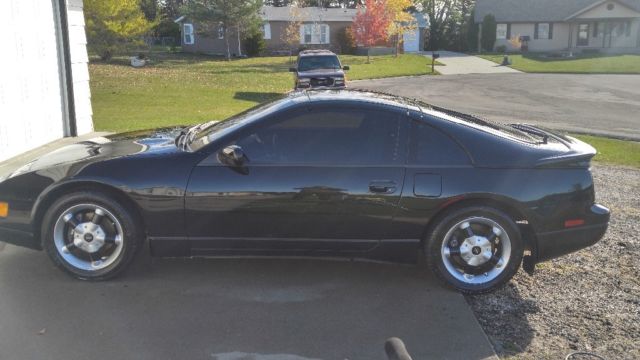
[[606, 105], [458, 63], [231, 310]]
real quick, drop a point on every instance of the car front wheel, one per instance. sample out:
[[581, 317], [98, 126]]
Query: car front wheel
[[90, 235], [475, 249]]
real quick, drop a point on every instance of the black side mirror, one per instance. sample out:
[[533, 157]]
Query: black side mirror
[[345, 68], [234, 155], [292, 69]]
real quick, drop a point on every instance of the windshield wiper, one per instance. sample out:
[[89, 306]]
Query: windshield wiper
[[191, 133], [186, 135], [180, 138]]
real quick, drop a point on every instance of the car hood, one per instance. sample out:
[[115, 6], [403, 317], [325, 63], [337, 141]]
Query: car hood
[[138, 143], [321, 73]]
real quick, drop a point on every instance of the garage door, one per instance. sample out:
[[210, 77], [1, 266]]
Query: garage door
[[412, 41], [30, 93]]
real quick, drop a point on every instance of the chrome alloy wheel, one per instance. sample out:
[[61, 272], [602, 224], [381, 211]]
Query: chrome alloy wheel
[[88, 237], [476, 250]]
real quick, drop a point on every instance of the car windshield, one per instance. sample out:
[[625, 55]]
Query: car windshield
[[207, 133], [308, 63]]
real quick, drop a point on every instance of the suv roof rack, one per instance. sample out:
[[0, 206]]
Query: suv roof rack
[[316, 52]]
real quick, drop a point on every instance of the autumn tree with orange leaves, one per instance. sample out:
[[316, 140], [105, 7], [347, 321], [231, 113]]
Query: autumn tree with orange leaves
[[401, 21], [371, 24]]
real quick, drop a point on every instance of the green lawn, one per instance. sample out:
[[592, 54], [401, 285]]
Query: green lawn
[[616, 152], [187, 89], [583, 64]]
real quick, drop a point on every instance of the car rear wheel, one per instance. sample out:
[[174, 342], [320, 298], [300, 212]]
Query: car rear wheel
[[475, 249], [89, 235]]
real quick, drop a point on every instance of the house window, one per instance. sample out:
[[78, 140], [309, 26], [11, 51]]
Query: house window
[[620, 29], [220, 32], [187, 34], [266, 31], [314, 34], [501, 31], [543, 31]]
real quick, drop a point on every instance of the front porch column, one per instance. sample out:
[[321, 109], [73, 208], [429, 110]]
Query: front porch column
[[570, 42], [638, 38], [480, 38]]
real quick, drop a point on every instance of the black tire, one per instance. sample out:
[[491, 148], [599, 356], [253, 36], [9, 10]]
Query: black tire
[[130, 240], [433, 247]]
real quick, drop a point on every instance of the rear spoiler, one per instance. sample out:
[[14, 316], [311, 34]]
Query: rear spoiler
[[578, 154], [545, 134]]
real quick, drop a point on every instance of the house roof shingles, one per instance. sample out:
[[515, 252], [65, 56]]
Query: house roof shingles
[[537, 10], [272, 13]]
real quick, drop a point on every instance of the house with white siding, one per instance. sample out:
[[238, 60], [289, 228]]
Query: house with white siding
[[606, 26], [44, 87]]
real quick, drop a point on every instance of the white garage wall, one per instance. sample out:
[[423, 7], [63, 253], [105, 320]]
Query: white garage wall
[[31, 102], [80, 69]]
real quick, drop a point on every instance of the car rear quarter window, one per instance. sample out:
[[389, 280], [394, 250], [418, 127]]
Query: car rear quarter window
[[327, 136], [431, 147]]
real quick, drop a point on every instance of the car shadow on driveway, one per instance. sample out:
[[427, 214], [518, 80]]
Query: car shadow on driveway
[[210, 308]]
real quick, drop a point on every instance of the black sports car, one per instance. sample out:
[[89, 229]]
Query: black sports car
[[332, 173]]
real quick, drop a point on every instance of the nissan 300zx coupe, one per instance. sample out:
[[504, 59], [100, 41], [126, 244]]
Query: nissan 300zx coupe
[[327, 173]]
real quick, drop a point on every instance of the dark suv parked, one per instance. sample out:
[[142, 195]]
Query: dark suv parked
[[318, 68]]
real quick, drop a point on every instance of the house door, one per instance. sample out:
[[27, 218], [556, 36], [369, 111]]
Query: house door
[[583, 35]]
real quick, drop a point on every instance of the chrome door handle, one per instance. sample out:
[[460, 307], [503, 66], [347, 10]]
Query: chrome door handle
[[382, 187]]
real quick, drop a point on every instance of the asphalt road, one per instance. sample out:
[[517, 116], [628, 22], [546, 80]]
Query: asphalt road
[[596, 104], [231, 310]]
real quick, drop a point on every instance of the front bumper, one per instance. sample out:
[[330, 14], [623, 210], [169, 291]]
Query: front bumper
[[554, 244], [19, 238], [307, 87]]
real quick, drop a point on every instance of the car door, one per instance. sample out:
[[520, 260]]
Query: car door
[[438, 168], [316, 179]]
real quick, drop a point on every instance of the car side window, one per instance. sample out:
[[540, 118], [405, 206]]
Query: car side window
[[326, 135], [432, 147]]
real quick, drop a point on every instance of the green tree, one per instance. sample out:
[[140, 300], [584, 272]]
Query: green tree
[[254, 43], [113, 24], [457, 25], [224, 15], [450, 22], [488, 37], [472, 32], [438, 11], [150, 8]]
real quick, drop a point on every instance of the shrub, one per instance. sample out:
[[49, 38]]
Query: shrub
[[488, 32], [347, 41], [254, 44], [471, 32], [501, 48]]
